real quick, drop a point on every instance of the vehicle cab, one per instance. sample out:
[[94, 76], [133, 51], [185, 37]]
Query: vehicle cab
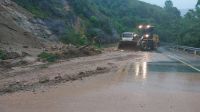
[[128, 36]]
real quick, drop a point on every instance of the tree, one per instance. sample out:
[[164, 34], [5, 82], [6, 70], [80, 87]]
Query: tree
[[168, 4], [198, 3], [169, 7]]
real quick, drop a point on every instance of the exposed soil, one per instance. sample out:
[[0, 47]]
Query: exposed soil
[[39, 75]]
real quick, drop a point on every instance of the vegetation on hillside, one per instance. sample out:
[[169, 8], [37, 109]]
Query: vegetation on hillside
[[48, 57], [189, 33], [103, 20], [2, 55]]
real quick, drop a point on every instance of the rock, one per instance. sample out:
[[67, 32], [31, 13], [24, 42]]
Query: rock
[[44, 79], [5, 64], [25, 54], [6, 2], [26, 33], [82, 73], [25, 46], [13, 87], [29, 59], [100, 68], [12, 55], [58, 79]]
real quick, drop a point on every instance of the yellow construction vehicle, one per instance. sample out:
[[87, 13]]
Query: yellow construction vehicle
[[149, 40]]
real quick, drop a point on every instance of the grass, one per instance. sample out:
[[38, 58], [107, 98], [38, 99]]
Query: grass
[[48, 57], [2, 55]]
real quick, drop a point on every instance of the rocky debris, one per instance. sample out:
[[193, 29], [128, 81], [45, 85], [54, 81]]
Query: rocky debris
[[62, 51], [5, 64], [100, 68], [5, 2], [12, 63], [29, 59], [24, 54], [13, 59], [46, 81], [12, 55], [58, 79], [26, 21], [12, 87], [16, 62]]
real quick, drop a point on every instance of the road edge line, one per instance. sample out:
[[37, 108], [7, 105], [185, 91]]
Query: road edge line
[[189, 65]]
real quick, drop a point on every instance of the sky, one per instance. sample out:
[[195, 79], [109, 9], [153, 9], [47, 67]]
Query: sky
[[180, 4]]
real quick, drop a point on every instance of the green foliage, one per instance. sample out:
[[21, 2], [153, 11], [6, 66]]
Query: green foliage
[[189, 32], [2, 55], [169, 4], [33, 7], [48, 57], [198, 3], [75, 38], [104, 19]]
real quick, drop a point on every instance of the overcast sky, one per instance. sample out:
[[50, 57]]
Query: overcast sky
[[180, 4]]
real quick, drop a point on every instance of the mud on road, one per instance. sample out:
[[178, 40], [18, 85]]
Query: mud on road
[[32, 78]]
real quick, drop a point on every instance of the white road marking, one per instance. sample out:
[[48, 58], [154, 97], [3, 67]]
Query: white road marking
[[173, 57]]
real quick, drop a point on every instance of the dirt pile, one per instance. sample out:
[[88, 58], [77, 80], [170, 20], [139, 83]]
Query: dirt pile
[[62, 51], [46, 81], [13, 59], [72, 51]]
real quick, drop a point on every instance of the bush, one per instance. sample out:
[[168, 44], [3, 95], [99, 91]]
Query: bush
[[2, 55], [72, 37], [48, 57]]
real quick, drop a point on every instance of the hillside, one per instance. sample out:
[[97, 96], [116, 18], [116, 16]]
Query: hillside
[[15, 29], [76, 21], [81, 22]]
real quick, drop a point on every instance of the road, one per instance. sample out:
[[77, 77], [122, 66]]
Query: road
[[151, 82]]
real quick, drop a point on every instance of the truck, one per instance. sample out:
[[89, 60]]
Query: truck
[[128, 40]]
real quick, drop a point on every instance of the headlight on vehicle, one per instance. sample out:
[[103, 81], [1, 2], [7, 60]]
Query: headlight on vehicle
[[140, 26], [147, 35], [135, 35], [148, 26]]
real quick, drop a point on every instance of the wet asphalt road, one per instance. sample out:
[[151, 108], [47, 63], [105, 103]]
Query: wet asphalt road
[[161, 82]]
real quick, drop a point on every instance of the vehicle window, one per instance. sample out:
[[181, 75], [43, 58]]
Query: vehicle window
[[128, 35]]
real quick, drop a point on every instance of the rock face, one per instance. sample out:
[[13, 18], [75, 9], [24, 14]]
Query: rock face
[[20, 31], [5, 2], [10, 32], [24, 19]]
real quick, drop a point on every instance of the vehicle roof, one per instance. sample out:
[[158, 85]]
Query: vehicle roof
[[128, 33]]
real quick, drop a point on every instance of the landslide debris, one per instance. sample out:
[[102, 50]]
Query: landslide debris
[[12, 87], [67, 51]]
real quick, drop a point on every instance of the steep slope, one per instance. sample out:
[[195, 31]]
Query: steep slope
[[11, 34], [20, 31], [81, 21], [104, 19]]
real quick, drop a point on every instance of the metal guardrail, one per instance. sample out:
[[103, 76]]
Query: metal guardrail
[[191, 50]]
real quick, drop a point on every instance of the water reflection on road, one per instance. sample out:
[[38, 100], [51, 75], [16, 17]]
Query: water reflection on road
[[148, 86], [141, 69]]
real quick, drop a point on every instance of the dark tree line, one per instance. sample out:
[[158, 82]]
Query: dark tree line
[[189, 32]]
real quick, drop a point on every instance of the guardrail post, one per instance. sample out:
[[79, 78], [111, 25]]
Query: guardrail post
[[195, 52]]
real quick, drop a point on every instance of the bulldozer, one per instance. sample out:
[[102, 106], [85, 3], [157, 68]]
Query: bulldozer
[[145, 40], [149, 40]]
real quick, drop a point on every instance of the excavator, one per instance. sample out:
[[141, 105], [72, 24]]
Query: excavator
[[146, 40]]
